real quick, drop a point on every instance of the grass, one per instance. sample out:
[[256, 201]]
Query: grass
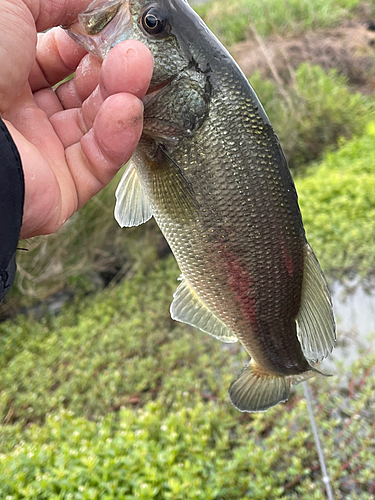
[[113, 400], [338, 206], [313, 112], [86, 253], [231, 21]]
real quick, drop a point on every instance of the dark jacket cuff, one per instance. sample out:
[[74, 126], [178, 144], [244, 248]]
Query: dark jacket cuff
[[12, 193]]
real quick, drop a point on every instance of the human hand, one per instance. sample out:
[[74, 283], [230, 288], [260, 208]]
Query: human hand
[[73, 140]]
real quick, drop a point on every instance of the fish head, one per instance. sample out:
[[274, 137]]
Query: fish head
[[167, 27]]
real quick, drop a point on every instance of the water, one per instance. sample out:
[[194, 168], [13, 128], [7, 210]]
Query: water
[[354, 307]]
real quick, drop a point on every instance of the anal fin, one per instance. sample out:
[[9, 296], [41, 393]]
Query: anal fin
[[189, 308], [315, 322], [132, 205], [257, 390]]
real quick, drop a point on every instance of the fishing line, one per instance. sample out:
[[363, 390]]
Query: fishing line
[[325, 476]]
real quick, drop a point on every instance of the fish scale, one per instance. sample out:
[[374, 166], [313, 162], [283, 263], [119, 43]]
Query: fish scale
[[192, 253], [210, 170]]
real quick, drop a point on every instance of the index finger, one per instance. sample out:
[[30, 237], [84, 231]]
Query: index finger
[[57, 56], [48, 14]]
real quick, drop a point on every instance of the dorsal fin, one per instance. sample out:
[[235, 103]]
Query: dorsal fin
[[132, 205], [315, 322], [189, 308]]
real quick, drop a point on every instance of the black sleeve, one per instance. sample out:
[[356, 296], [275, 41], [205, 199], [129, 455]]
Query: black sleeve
[[12, 193]]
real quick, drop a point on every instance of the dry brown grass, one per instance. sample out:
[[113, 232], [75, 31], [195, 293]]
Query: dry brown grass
[[349, 48]]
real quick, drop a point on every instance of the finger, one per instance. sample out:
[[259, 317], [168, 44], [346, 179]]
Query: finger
[[107, 146], [86, 78], [57, 56], [49, 13], [71, 125], [18, 38], [127, 69], [47, 101], [17, 50], [33, 124], [128, 65], [69, 97]]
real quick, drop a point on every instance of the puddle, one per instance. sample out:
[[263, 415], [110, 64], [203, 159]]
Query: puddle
[[354, 307]]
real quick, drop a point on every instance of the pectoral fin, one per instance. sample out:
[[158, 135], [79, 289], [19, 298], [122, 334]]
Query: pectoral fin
[[315, 322], [172, 189], [132, 205], [189, 308]]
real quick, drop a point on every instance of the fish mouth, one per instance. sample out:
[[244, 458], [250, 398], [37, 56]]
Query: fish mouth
[[101, 26]]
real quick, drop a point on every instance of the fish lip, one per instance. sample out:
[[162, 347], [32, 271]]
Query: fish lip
[[110, 7], [100, 40]]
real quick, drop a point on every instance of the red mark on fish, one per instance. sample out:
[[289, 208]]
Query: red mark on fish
[[241, 284]]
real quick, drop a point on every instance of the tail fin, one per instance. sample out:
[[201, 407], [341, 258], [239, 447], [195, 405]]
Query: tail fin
[[257, 390]]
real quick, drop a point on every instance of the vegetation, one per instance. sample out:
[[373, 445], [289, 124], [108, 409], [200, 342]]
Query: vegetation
[[113, 400], [313, 112], [338, 206], [232, 21]]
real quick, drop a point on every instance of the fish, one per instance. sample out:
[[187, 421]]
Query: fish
[[210, 169]]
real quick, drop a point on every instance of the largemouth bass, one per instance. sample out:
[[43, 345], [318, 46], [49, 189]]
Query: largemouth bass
[[211, 171]]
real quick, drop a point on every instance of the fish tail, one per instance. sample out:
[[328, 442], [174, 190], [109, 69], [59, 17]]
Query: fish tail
[[255, 389]]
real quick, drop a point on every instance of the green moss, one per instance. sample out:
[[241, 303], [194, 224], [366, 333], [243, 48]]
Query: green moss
[[231, 21], [120, 348], [122, 403], [338, 206]]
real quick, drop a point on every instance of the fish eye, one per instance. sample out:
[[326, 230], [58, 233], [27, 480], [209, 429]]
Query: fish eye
[[154, 22]]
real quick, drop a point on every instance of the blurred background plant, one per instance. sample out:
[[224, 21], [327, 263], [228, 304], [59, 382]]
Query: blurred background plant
[[232, 21], [314, 112]]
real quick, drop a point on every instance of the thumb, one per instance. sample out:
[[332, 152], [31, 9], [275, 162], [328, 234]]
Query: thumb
[[17, 50]]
